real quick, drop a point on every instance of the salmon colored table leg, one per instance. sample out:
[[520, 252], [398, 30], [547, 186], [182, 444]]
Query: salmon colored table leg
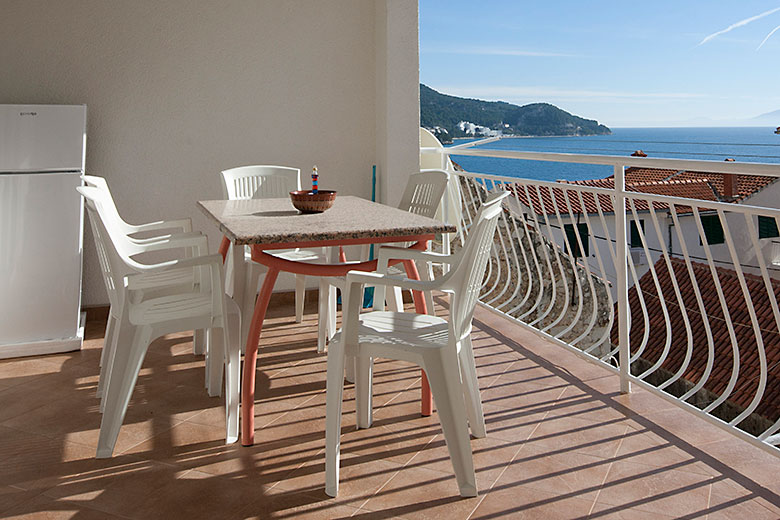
[[250, 358], [426, 403], [223, 247]]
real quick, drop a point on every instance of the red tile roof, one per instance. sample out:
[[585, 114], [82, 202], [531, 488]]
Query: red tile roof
[[673, 183], [737, 305]]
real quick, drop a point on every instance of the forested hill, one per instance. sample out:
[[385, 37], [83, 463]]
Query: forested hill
[[462, 117]]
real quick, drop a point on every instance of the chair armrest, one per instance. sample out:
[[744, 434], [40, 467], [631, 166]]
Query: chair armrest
[[185, 224], [387, 253], [196, 261], [183, 240], [378, 279], [167, 236]]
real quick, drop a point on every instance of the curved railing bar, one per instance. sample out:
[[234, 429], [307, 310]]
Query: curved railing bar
[[539, 268], [520, 235], [505, 217], [510, 234], [608, 330], [558, 262], [726, 315], [702, 308], [588, 275], [659, 290], [574, 270], [753, 320], [680, 301]]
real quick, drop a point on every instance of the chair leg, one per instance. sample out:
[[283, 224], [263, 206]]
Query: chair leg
[[444, 378], [199, 342], [332, 311], [395, 299], [426, 275], [124, 374], [215, 361], [323, 314], [364, 371], [333, 401], [350, 371], [105, 355], [232, 363], [300, 296], [468, 373]]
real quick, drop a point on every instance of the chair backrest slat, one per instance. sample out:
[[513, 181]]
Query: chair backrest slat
[[423, 193], [465, 278], [260, 182]]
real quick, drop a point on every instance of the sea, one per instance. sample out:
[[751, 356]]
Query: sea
[[743, 144]]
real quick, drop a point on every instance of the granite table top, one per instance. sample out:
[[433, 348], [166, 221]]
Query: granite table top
[[276, 221]]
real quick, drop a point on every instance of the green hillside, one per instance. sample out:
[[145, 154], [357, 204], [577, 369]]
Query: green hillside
[[538, 119]]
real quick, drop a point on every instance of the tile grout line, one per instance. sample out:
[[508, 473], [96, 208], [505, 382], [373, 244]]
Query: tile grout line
[[511, 460], [606, 475]]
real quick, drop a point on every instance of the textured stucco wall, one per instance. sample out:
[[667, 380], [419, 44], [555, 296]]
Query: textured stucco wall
[[181, 89]]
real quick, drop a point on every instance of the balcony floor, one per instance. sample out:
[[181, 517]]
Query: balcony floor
[[562, 441]]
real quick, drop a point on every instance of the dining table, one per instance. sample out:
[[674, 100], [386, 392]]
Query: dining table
[[266, 225]]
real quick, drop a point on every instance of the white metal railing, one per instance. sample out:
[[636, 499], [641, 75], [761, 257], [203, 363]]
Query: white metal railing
[[689, 310]]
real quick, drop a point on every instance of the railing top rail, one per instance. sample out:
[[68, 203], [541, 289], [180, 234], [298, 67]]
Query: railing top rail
[[743, 168], [636, 195]]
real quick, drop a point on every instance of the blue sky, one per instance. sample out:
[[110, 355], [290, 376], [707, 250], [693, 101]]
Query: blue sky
[[622, 63]]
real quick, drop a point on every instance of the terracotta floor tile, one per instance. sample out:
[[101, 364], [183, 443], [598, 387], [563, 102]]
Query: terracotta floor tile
[[688, 427], [358, 479], [520, 502], [423, 494], [491, 458], [298, 505], [650, 447], [738, 497], [663, 490], [12, 497], [575, 435], [576, 402], [197, 495], [609, 512], [577, 476], [45, 508], [563, 421], [522, 396]]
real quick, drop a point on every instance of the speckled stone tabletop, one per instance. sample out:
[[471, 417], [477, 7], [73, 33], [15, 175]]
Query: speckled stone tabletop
[[276, 221]]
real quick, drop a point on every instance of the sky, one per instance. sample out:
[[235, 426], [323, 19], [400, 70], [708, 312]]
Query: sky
[[653, 63]]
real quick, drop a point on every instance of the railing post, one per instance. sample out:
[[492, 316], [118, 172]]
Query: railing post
[[621, 267]]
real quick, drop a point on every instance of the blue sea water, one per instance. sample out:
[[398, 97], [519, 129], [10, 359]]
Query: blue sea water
[[744, 144]]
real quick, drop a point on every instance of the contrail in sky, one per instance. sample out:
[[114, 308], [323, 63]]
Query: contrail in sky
[[739, 24], [767, 36]]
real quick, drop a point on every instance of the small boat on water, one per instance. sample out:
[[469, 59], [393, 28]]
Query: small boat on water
[[777, 130]]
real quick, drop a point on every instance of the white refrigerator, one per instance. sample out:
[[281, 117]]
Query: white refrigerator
[[42, 151]]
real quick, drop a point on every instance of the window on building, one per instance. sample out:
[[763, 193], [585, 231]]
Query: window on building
[[572, 239], [634, 239], [713, 229], [767, 227]]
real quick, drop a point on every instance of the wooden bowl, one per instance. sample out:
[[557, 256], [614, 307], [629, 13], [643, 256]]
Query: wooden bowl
[[307, 202]]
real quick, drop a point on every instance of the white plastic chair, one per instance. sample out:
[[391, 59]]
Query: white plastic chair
[[143, 317], [442, 348], [263, 182], [421, 196], [195, 244]]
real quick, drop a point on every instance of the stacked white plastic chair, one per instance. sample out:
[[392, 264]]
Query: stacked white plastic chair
[[264, 182], [422, 196], [442, 348], [167, 235], [144, 316]]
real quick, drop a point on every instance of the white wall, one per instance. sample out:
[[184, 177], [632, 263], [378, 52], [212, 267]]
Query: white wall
[[179, 90], [398, 98]]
